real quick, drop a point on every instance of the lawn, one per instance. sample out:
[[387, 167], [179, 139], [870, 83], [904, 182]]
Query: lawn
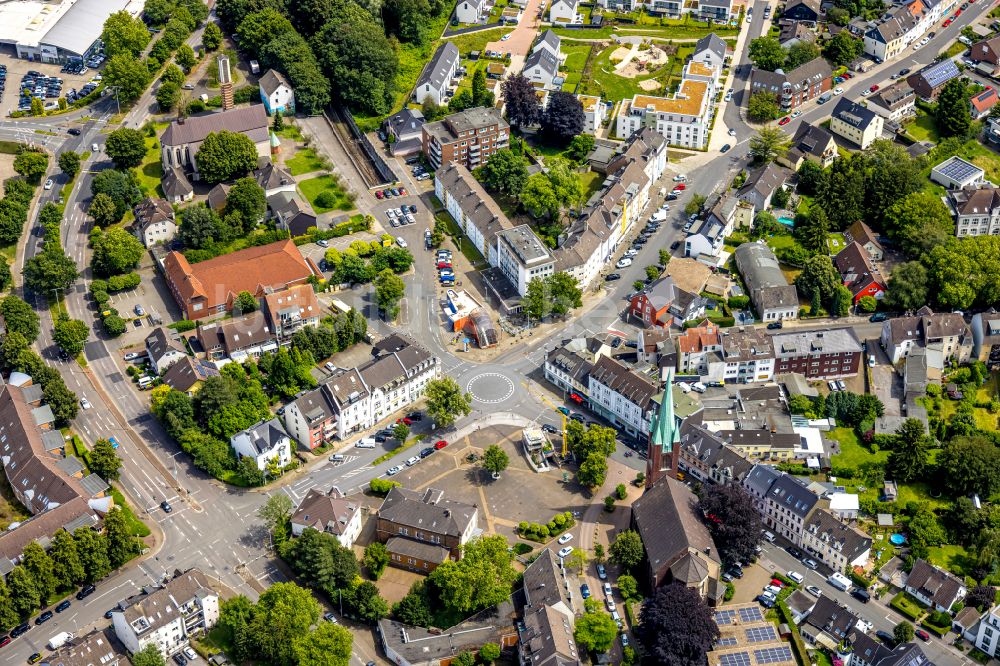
[[591, 182], [907, 605], [923, 129], [305, 160], [150, 172], [136, 526], [476, 41], [852, 454], [836, 243], [951, 558], [603, 79], [651, 26], [576, 56], [314, 187]]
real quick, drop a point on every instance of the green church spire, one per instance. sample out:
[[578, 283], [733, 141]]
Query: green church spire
[[664, 429]]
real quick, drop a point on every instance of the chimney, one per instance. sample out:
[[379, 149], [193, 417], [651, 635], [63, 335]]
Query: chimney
[[225, 81]]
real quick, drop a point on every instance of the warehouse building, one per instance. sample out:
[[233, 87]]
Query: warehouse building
[[55, 32]]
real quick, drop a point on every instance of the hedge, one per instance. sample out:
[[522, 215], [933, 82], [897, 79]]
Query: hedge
[[540, 533], [937, 631], [860, 581], [905, 606], [382, 486], [797, 642], [351, 226], [183, 326]]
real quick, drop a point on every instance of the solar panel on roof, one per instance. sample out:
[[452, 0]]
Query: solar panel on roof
[[725, 616], [726, 641], [773, 655], [761, 634], [958, 169], [737, 659], [750, 614]]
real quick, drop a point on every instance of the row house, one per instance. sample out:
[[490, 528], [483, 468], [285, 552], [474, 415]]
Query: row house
[[357, 399], [569, 369], [897, 30], [746, 356], [706, 457], [942, 331], [837, 544], [783, 501], [435, 81], [625, 398], [695, 346]]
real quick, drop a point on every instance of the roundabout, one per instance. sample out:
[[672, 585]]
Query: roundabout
[[490, 388]]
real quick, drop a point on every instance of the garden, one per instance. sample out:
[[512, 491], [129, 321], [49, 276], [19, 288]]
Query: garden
[[656, 70], [326, 193]]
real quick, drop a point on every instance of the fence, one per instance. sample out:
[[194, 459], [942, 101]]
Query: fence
[[383, 169]]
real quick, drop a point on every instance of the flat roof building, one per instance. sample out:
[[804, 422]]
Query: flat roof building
[[56, 32]]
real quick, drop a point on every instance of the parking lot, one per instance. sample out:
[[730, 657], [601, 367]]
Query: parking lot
[[17, 68]]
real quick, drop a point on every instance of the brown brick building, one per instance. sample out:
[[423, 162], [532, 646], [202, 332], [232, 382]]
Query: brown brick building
[[469, 137], [818, 354], [422, 529]]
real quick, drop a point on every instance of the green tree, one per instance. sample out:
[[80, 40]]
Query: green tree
[[908, 286], [149, 656], [489, 652], [414, 608], [24, 592], [70, 335], [122, 546], [376, 559], [31, 164], [104, 461], [401, 432], [694, 206], [389, 291], [800, 53], [446, 401], [465, 658], [577, 559], [121, 186], [595, 632], [69, 162], [245, 302], [564, 291], [124, 33], [246, 198], [769, 144], [128, 75], [185, 57], [93, 549], [114, 325], [116, 251], [629, 587], [952, 112], [593, 471], [225, 155], [211, 36], [481, 95], [920, 222], [168, 95], [19, 317], [766, 53], [39, 566], [126, 147], [495, 460], [284, 613], [580, 147], [368, 603], [539, 197], [903, 632], [843, 48], [276, 512], [172, 74], [763, 106], [908, 459], [327, 645], [8, 613], [970, 464], [483, 577], [627, 550], [103, 210], [505, 172], [818, 275], [66, 563], [965, 272], [867, 304], [535, 303]]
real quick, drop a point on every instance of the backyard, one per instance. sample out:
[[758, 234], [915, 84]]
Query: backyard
[[604, 81], [641, 23], [304, 161], [150, 172], [325, 193]]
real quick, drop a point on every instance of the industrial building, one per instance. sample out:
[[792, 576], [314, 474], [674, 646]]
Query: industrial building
[[55, 32]]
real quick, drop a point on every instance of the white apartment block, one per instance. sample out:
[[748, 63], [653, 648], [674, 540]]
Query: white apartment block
[[168, 616], [594, 112], [623, 397], [976, 211], [685, 119], [522, 257], [988, 635]]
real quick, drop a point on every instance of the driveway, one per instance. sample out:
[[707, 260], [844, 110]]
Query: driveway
[[519, 42]]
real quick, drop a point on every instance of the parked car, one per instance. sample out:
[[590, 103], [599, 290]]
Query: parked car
[[602, 573], [426, 452], [774, 325], [813, 590], [585, 591], [565, 538], [611, 277], [922, 635], [440, 444], [564, 552], [411, 461], [885, 637], [85, 592], [393, 471]]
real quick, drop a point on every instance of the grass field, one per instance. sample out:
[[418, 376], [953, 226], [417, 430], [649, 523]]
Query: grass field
[[591, 182], [150, 172], [836, 243], [923, 128], [603, 79], [305, 160], [852, 454], [476, 41], [952, 558], [314, 187], [651, 26]]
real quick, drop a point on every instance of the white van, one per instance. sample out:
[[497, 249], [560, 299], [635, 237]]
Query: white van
[[769, 536], [684, 387], [796, 577], [366, 443], [839, 581], [698, 387], [145, 381]]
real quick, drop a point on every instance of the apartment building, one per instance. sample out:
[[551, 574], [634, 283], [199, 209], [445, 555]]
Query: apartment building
[[795, 87], [897, 30], [422, 529], [855, 123], [837, 544], [435, 81], [568, 368], [976, 210], [622, 396], [695, 346], [784, 502], [706, 457], [683, 120], [896, 102], [594, 112], [469, 137], [988, 633], [943, 331], [810, 143], [328, 512], [238, 339], [292, 309], [169, 616], [476, 213], [746, 356], [818, 354], [523, 257]]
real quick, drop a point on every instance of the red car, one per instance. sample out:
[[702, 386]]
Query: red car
[[785, 120], [378, 194], [5, 641], [680, 187], [440, 445], [406, 419], [847, 75], [922, 635], [444, 264], [777, 583], [873, 88], [402, 191], [946, 23]]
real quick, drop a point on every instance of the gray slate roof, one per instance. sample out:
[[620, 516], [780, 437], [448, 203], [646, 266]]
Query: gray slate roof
[[272, 80], [427, 510], [668, 523], [710, 42], [853, 114], [249, 120], [544, 59], [439, 69], [264, 436]]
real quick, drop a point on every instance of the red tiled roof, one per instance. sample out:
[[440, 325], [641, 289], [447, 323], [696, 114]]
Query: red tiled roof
[[276, 266], [985, 100], [697, 338]]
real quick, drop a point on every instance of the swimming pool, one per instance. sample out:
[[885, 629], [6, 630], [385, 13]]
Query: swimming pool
[[897, 539], [787, 221]]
